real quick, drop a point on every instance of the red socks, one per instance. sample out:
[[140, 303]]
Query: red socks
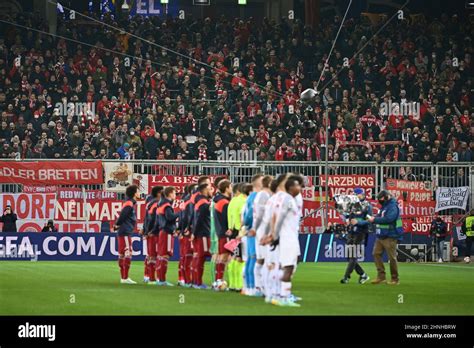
[[120, 262], [220, 268], [198, 269], [126, 267], [161, 268], [124, 264], [181, 268], [152, 270], [188, 272], [146, 272]]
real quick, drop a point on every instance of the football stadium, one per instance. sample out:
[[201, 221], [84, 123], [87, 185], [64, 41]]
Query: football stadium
[[236, 158]]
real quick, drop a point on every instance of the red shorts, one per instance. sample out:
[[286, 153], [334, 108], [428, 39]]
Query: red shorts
[[223, 241], [165, 244], [152, 245], [186, 247], [202, 245], [125, 245]]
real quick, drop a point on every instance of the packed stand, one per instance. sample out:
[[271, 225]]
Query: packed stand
[[166, 106]]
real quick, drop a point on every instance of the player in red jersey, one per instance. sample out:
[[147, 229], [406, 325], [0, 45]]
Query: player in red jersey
[[185, 249], [223, 233], [166, 221], [151, 242], [201, 233], [188, 222], [125, 226]]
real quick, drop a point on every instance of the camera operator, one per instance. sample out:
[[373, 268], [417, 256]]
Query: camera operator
[[9, 220], [49, 227], [358, 227], [438, 231]]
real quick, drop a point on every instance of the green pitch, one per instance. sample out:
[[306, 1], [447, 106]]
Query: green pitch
[[92, 288]]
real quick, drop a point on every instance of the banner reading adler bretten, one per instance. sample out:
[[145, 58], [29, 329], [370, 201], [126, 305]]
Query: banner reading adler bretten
[[52, 172]]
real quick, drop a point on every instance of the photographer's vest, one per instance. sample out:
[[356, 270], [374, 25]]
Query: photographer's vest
[[393, 230], [469, 226]]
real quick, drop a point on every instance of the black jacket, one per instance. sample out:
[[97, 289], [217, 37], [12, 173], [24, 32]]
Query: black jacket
[[166, 217], [221, 204], [9, 222], [127, 218], [202, 219], [439, 227], [150, 216]]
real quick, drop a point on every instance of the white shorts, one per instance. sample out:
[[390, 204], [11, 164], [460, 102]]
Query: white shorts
[[272, 256], [261, 252], [260, 249], [289, 252], [244, 248]]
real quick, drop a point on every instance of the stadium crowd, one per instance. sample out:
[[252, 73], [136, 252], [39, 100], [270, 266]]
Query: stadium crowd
[[246, 96]]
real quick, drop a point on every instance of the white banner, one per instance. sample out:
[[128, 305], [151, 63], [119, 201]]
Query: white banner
[[451, 197], [30, 206], [118, 176]]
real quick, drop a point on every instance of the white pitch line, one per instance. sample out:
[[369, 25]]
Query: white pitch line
[[450, 266]]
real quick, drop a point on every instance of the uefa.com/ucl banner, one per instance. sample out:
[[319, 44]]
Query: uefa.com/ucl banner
[[46, 246]]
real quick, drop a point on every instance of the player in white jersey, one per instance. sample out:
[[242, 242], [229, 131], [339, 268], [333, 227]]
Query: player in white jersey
[[272, 254], [286, 231], [261, 220]]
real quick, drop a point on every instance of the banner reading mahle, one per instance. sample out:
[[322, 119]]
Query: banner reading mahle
[[52, 173], [48, 246]]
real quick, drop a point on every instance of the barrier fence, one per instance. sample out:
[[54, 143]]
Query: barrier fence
[[343, 177]]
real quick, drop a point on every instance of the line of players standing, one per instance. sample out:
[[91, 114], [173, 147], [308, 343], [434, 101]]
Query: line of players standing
[[250, 231]]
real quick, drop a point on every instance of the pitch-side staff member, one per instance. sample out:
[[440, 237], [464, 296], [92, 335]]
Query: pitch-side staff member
[[389, 230]]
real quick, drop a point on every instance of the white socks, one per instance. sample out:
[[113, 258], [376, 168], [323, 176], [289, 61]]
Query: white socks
[[258, 276], [285, 290], [275, 278]]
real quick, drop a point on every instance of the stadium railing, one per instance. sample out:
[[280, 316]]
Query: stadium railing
[[442, 174]]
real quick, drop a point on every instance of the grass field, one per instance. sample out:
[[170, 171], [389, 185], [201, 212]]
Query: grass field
[[46, 288]]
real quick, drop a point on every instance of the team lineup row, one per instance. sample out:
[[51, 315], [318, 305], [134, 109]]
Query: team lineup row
[[249, 230]]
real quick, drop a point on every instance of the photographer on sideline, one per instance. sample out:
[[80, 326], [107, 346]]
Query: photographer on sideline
[[9, 220], [439, 230], [389, 230], [358, 228]]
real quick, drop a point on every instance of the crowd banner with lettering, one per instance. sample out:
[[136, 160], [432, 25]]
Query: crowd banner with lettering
[[415, 198], [39, 189], [451, 197], [345, 184], [417, 216], [118, 176], [54, 173], [39, 206], [93, 210], [410, 191], [147, 182], [77, 193]]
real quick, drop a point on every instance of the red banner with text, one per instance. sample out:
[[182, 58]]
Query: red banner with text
[[345, 184], [54, 173]]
